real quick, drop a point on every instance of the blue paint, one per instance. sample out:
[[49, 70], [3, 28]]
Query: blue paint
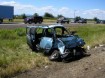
[[6, 12]]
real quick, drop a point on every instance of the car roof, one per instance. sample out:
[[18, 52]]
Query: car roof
[[49, 26]]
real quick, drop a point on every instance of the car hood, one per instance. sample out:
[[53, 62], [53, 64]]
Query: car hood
[[72, 41]]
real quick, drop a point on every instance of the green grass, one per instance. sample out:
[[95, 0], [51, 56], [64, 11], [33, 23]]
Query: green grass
[[21, 20], [45, 20], [16, 56], [93, 34], [15, 20]]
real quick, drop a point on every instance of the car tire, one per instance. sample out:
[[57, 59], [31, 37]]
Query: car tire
[[62, 22], [25, 22], [80, 52], [55, 56], [30, 22], [40, 22], [35, 22], [1, 21], [68, 22]]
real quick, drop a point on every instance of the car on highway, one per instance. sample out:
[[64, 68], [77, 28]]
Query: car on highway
[[63, 20], [100, 22], [1, 20], [36, 19], [56, 41], [103, 22], [80, 21]]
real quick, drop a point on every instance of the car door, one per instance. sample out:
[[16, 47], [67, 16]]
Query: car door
[[30, 36], [47, 41]]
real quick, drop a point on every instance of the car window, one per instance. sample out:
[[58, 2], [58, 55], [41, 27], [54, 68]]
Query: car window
[[61, 32], [28, 31], [65, 32], [32, 30], [39, 33], [58, 31], [39, 30], [48, 32]]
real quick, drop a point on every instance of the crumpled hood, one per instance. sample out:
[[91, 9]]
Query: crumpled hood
[[72, 41]]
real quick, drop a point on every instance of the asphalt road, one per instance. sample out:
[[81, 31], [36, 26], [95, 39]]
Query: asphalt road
[[22, 25]]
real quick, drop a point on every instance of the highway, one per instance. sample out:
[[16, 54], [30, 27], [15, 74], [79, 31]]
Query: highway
[[22, 25]]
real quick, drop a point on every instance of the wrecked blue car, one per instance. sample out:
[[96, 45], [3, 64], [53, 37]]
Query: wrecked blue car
[[54, 40]]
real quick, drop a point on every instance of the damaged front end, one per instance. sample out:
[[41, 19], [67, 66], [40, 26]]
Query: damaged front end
[[70, 46]]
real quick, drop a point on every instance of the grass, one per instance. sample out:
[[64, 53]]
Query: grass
[[93, 34], [21, 20], [45, 20], [15, 21], [16, 56]]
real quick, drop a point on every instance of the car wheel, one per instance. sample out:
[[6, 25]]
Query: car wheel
[[62, 22], [25, 22], [68, 22], [30, 22], [35, 22], [67, 56], [55, 56], [80, 52]]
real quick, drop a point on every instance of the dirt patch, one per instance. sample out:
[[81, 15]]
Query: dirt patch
[[87, 67]]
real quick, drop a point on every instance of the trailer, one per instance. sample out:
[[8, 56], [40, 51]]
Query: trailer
[[6, 12]]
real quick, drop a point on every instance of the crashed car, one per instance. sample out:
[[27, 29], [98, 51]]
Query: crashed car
[[54, 40]]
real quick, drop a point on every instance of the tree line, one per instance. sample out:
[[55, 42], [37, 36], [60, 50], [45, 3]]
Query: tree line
[[49, 16], [46, 15]]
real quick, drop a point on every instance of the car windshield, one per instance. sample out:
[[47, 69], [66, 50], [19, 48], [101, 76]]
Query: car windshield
[[61, 32]]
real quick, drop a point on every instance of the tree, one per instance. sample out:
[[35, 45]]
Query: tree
[[60, 16], [48, 15], [96, 19], [36, 14], [23, 16]]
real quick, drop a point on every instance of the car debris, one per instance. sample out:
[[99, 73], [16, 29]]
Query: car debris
[[55, 41]]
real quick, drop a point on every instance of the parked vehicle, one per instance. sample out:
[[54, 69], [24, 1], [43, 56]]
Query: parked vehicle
[[63, 20], [35, 20], [1, 20], [103, 21], [56, 41], [80, 21], [100, 22], [6, 12]]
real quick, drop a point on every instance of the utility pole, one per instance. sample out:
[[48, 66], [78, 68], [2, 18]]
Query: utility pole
[[74, 13]]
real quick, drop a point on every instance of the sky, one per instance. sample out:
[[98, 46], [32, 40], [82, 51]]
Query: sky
[[68, 8]]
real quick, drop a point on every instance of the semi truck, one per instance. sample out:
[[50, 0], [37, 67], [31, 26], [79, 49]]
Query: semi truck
[[6, 12]]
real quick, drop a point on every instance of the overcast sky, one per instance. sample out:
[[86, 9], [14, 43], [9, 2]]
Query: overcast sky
[[83, 8]]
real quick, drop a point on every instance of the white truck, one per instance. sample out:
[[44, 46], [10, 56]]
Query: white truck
[[6, 12]]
